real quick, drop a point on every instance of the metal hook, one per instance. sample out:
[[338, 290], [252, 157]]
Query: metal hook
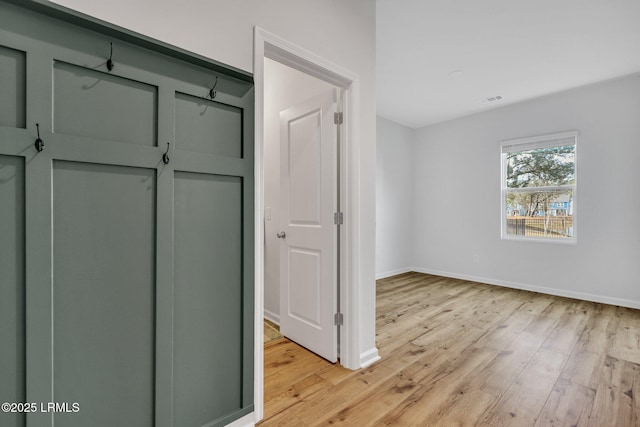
[[39, 144], [165, 156], [212, 92], [110, 64]]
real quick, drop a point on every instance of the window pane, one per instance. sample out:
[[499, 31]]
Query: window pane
[[546, 214], [541, 167]]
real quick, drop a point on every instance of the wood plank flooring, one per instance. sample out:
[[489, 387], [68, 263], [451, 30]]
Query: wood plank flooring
[[271, 331], [459, 353]]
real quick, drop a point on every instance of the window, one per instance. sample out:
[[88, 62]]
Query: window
[[539, 188]]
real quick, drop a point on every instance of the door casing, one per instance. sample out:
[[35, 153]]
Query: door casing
[[268, 45]]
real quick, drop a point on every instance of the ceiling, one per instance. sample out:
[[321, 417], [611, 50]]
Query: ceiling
[[438, 59]]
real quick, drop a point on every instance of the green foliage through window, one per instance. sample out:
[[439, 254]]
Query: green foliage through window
[[541, 167], [539, 183]]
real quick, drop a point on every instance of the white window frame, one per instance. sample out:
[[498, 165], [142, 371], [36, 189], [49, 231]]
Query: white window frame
[[531, 143]]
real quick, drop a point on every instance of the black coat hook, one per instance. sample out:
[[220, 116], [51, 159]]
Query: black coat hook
[[39, 144], [110, 60], [212, 92], [165, 156]]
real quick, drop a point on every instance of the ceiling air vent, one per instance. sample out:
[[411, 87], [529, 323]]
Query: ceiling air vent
[[491, 99]]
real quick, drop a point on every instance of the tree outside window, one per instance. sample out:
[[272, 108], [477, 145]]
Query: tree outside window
[[538, 187]]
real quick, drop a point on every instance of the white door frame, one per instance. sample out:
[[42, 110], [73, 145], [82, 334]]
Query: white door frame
[[268, 45]]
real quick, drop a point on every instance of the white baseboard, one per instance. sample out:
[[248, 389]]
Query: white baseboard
[[393, 272], [541, 289], [369, 357], [248, 420], [272, 317]]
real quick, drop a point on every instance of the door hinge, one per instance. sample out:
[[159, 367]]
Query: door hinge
[[338, 319], [338, 118], [338, 218]]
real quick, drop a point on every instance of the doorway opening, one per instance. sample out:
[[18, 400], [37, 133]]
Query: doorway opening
[[282, 53], [301, 183]]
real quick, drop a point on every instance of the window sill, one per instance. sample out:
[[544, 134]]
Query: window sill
[[561, 241]]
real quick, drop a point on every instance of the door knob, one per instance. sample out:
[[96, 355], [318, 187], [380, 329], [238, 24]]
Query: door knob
[[281, 235]]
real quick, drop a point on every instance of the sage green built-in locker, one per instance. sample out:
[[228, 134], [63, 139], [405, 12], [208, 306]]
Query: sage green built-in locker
[[126, 243]]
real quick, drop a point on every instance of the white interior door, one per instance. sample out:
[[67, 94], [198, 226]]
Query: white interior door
[[308, 188]]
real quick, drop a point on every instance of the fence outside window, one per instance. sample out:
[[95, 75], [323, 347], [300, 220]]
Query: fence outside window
[[550, 226]]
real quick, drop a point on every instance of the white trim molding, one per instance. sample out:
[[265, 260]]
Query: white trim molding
[[393, 272], [246, 421], [268, 45], [272, 317], [540, 289], [369, 357]]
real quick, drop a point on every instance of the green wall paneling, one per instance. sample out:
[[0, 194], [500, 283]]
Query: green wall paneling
[[208, 127], [122, 267], [208, 293], [12, 286], [12, 87], [100, 105], [103, 293]]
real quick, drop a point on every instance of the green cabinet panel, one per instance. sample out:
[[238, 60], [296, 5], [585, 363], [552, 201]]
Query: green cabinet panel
[[208, 298], [12, 287], [104, 293], [12, 87], [100, 105], [206, 126]]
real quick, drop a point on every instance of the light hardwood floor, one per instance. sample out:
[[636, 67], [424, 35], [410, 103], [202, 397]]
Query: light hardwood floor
[[457, 353], [271, 331]]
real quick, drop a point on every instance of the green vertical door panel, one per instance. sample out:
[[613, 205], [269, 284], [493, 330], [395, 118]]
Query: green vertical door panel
[[208, 351], [100, 105], [206, 126], [104, 293], [12, 287], [12, 87]]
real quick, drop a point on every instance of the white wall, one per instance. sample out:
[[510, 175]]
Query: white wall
[[457, 196], [394, 198], [284, 88], [342, 32]]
